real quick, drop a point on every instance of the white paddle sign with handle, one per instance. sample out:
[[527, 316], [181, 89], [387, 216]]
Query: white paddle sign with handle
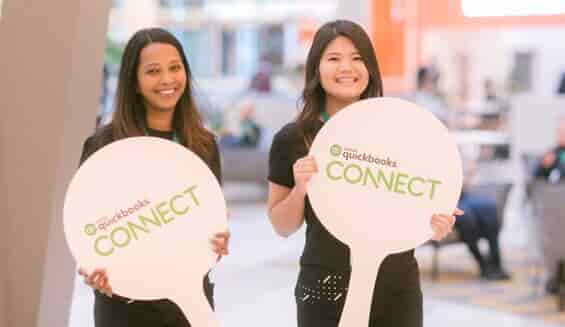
[[385, 167], [145, 209]]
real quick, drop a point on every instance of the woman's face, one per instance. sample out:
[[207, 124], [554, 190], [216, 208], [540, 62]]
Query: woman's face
[[161, 77], [343, 73]]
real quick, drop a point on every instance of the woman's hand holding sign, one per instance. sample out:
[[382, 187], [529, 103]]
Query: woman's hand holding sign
[[220, 243], [98, 280], [442, 224], [303, 169]]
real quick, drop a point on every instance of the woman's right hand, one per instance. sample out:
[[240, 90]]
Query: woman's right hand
[[303, 169], [98, 280]]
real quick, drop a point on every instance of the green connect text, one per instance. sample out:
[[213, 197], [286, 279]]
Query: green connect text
[[392, 181], [161, 214]]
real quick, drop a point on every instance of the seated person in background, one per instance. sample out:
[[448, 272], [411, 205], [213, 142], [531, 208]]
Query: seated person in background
[[429, 96], [249, 131], [426, 94], [552, 168], [552, 164], [480, 221], [480, 218], [261, 80]]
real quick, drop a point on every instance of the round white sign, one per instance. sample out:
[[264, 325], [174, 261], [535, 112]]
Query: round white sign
[[385, 167], [145, 209]]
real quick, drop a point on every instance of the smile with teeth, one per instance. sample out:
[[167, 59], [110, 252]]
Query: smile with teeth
[[346, 79], [168, 92]]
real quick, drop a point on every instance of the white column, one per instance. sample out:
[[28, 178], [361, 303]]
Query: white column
[[51, 64]]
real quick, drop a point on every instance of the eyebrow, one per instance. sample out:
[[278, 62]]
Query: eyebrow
[[339, 53], [151, 64]]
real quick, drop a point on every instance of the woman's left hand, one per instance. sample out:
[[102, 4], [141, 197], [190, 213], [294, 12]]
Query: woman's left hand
[[220, 243], [442, 224]]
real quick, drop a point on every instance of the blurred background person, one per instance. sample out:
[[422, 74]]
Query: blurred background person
[[247, 132], [480, 221], [552, 165], [261, 80], [427, 95], [551, 168]]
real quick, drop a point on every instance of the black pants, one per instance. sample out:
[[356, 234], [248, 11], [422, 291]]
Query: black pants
[[119, 312], [479, 221], [397, 297]]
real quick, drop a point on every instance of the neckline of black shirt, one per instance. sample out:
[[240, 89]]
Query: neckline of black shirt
[[162, 134]]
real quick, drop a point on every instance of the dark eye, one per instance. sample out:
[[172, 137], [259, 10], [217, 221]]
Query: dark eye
[[152, 71], [358, 58], [333, 58], [176, 68]]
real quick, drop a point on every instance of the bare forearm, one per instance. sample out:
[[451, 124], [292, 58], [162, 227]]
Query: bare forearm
[[288, 215]]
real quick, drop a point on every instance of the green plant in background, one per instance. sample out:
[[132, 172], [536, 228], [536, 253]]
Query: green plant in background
[[113, 53]]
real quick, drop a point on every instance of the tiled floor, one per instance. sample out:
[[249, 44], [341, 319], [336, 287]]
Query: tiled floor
[[255, 282]]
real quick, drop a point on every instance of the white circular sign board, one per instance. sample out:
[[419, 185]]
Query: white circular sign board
[[145, 209], [385, 167]]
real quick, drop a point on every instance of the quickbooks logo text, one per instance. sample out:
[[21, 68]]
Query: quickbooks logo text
[[337, 150], [393, 181], [160, 215]]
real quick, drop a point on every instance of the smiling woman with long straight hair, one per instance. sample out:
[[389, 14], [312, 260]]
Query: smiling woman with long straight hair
[[154, 98], [341, 69]]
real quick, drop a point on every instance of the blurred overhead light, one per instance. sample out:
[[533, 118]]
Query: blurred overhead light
[[498, 8]]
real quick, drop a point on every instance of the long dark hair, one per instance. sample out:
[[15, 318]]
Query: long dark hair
[[129, 115], [313, 98]]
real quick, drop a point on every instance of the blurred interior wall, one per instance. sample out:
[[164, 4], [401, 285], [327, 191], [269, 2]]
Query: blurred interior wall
[[534, 121], [51, 63], [493, 54], [409, 33], [491, 45], [356, 11]]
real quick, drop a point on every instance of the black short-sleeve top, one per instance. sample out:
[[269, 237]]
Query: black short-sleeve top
[[322, 249]]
